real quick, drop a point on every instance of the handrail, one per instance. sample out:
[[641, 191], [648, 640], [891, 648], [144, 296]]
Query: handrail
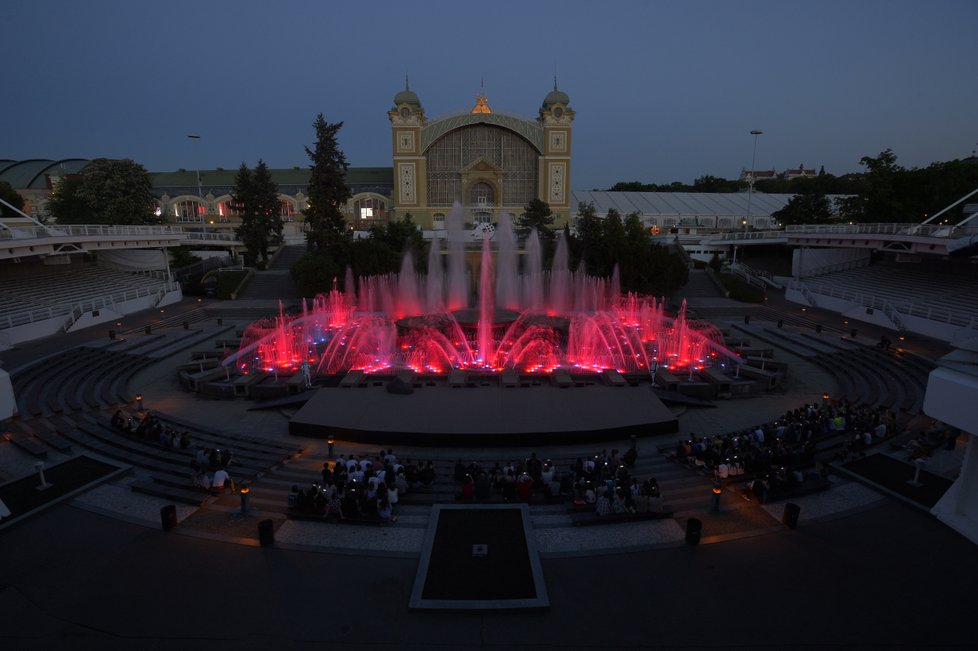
[[87, 305], [895, 311], [837, 266], [899, 228], [102, 230], [752, 235], [805, 290]]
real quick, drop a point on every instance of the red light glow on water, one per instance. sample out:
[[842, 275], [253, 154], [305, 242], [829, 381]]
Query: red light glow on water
[[530, 321]]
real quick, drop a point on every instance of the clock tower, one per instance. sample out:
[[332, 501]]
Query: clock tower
[[410, 172], [556, 118]]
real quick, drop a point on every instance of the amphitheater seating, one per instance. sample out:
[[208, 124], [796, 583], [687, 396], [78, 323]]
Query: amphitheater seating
[[54, 290], [938, 296], [97, 375]]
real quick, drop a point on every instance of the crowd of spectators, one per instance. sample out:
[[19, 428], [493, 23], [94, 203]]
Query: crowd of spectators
[[209, 467], [147, 426], [602, 482], [781, 453], [357, 488]]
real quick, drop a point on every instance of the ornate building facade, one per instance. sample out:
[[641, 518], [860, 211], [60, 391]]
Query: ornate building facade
[[489, 161]]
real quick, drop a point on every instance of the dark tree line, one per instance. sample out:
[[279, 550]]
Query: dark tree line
[[644, 266]]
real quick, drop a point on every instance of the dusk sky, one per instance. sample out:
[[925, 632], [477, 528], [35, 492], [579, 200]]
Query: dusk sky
[[663, 91]]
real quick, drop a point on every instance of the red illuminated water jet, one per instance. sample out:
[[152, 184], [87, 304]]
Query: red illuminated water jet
[[543, 321]]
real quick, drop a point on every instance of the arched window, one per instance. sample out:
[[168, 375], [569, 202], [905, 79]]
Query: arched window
[[481, 194], [369, 208], [189, 210], [438, 222], [286, 210], [226, 211]]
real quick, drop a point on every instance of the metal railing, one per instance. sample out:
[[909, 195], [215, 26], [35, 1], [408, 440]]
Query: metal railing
[[895, 311], [920, 230], [97, 230], [750, 276], [751, 236], [837, 266], [74, 311]]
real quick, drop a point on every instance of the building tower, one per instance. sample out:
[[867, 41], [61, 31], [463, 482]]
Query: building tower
[[407, 119], [554, 173]]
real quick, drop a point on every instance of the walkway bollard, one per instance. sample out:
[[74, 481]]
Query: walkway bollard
[[266, 533], [111, 334], [245, 495], [168, 517], [148, 330], [694, 527], [790, 516], [39, 467]]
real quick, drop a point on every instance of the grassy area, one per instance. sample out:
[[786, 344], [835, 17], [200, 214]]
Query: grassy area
[[741, 290], [228, 281]]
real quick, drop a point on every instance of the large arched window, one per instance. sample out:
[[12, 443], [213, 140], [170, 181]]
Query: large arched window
[[438, 221], [189, 210], [501, 148]]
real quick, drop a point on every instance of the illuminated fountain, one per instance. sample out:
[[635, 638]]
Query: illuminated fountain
[[528, 320]]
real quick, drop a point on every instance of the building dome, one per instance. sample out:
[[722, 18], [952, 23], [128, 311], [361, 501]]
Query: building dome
[[407, 96], [555, 97]]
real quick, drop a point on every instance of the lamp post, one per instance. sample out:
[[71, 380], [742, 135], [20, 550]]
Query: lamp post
[[750, 179], [200, 191]]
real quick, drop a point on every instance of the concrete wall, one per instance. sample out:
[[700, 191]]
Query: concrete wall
[[806, 261]]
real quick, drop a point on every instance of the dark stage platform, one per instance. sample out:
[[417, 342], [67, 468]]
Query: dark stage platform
[[484, 415]]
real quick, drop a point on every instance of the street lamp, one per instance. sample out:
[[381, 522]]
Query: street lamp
[[750, 179], [200, 191]]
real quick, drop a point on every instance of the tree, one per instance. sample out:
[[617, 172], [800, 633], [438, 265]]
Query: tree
[[8, 194], [538, 215], [878, 201], [805, 209], [327, 231], [255, 197], [106, 192]]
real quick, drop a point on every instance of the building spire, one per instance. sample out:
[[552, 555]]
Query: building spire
[[407, 86]]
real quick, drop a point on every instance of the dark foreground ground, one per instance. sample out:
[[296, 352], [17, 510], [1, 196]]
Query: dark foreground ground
[[891, 577]]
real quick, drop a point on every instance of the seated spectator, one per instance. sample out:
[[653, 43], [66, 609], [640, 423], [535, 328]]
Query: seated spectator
[[199, 477], [221, 480], [603, 505], [118, 420], [483, 487], [385, 510], [184, 441], [468, 488], [524, 486], [590, 496]]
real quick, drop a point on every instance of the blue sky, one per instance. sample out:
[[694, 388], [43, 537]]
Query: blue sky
[[663, 90]]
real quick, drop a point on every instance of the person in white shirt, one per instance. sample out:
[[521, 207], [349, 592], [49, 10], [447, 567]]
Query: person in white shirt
[[222, 479]]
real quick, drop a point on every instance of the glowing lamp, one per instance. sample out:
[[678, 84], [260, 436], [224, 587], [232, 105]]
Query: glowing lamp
[[717, 490], [825, 396], [139, 401]]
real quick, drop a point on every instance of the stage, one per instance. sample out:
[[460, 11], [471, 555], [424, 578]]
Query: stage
[[484, 416]]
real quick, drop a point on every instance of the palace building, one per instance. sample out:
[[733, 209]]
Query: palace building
[[488, 160]]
